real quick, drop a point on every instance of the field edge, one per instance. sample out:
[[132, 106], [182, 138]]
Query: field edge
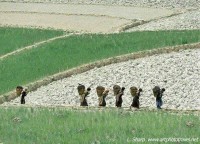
[[86, 67]]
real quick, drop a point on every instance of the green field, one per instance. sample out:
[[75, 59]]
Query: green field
[[106, 126], [57, 125], [15, 38], [66, 53]]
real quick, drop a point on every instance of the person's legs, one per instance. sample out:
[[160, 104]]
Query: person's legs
[[104, 103], [158, 104], [22, 101], [85, 103], [138, 104]]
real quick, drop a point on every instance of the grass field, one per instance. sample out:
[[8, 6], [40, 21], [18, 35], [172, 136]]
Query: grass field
[[56, 125], [73, 51], [15, 38]]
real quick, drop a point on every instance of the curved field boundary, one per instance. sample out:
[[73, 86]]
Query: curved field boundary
[[94, 108], [33, 46], [46, 15], [115, 11], [130, 22], [142, 22], [83, 68], [53, 13]]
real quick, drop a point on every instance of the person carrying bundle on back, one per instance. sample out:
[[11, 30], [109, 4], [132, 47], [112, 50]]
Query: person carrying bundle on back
[[135, 94], [83, 93], [158, 93], [22, 92], [102, 93], [118, 93]]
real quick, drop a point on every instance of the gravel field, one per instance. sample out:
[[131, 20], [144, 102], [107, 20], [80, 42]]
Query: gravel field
[[171, 4], [80, 23], [187, 21], [128, 13], [178, 72], [102, 16], [88, 18]]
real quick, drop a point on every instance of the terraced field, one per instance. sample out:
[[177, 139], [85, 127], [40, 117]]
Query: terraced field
[[65, 53], [59, 53], [13, 39], [88, 18], [51, 46]]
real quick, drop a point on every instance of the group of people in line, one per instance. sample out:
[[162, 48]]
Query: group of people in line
[[118, 93], [102, 93]]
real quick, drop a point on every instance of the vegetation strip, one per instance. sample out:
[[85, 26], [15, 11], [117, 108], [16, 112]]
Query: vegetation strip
[[67, 53], [33, 86], [16, 38], [34, 46], [54, 125]]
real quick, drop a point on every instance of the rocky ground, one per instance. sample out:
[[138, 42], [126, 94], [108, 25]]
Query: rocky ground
[[103, 16], [186, 21], [88, 18], [171, 4], [178, 73]]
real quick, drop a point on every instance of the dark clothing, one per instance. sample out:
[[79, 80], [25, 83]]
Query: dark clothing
[[23, 97], [119, 100], [135, 102], [159, 102], [84, 103], [159, 97], [104, 102]]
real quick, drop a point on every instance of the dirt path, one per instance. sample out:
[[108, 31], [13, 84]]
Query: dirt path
[[33, 46]]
